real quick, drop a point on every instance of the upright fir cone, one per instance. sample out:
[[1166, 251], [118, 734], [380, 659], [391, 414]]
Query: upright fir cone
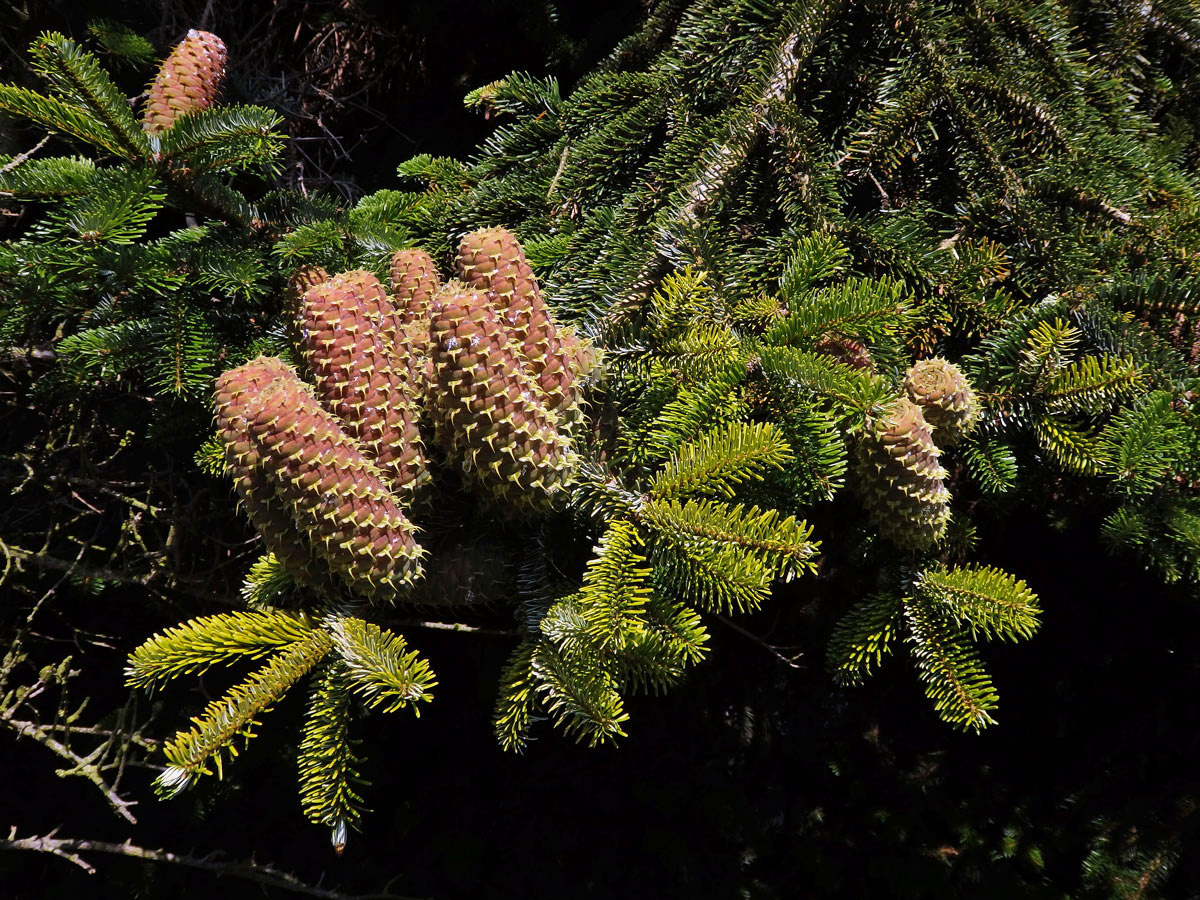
[[345, 325], [415, 284], [336, 496], [299, 283], [900, 479], [488, 410], [945, 397], [492, 260], [236, 391], [188, 81]]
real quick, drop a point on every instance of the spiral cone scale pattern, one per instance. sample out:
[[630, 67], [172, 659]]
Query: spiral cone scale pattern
[[327, 471], [343, 324], [900, 479], [945, 396]]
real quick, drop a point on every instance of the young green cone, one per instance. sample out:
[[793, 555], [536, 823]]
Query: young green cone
[[900, 479], [945, 396]]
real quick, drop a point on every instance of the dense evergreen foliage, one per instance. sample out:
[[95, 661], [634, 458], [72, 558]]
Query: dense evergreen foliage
[[814, 305]]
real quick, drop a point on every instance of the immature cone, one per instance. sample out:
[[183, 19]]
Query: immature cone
[[236, 390], [188, 81], [345, 324], [336, 496], [900, 479], [299, 283], [415, 284], [493, 261], [945, 397], [847, 351], [488, 410], [293, 301]]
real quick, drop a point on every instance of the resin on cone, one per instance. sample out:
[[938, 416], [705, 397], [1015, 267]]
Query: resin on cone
[[900, 479], [187, 82]]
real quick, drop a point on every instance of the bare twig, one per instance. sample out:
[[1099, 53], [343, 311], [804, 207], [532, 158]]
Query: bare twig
[[461, 627], [21, 157], [261, 873], [790, 661], [88, 767], [562, 164]]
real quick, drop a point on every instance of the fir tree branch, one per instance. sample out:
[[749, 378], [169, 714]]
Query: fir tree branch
[[195, 646], [76, 74], [217, 728], [377, 667], [328, 766]]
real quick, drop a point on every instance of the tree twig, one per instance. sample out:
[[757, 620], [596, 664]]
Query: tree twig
[[790, 661], [21, 157], [261, 873]]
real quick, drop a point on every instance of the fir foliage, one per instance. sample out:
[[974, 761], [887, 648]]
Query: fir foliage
[[764, 224], [765, 216]]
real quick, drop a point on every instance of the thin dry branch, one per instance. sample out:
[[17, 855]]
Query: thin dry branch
[[250, 870]]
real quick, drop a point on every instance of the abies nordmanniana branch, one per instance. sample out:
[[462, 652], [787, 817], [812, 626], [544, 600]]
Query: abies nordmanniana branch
[[330, 474], [947, 250], [801, 289]]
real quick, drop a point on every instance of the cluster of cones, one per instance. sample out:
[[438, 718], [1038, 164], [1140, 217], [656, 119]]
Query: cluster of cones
[[327, 471], [903, 484]]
